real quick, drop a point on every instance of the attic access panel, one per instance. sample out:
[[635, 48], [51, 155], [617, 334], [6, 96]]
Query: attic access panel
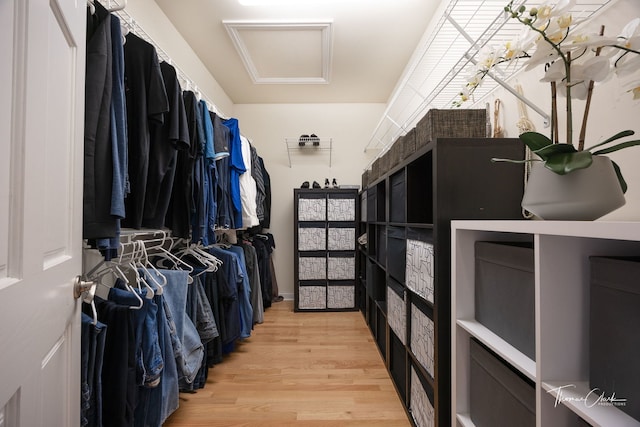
[[284, 52]]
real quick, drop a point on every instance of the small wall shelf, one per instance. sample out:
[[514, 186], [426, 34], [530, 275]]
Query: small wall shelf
[[308, 146]]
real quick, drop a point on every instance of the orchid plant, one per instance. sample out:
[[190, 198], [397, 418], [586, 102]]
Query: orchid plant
[[573, 62]]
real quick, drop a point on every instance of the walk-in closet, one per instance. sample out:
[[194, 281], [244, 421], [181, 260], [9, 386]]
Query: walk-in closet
[[394, 213]]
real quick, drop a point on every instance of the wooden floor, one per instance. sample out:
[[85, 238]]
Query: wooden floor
[[302, 369]]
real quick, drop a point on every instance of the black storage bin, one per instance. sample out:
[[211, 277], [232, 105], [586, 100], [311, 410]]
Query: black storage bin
[[614, 338], [505, 293], [396, 250], [397, 197], [499, 395], [382, 245], [371, 204], [398, 365]]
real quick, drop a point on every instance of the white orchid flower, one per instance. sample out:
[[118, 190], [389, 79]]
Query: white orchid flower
[[548, 10], [521, 44], [488, 57], [596, 68], [543, 54], [632, 29], [629, 38], [555, 72]]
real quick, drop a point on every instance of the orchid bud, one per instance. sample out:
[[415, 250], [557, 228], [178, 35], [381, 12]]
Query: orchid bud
[[533, 11]]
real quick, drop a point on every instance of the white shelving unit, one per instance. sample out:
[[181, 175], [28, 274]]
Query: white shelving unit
[[312, 146], [561, 253]]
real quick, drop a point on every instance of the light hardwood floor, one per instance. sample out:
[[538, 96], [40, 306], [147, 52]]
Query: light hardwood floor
[[302, 369]]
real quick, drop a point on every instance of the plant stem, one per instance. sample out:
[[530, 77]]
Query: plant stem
[[554, 113], [567, 67], [583, 129]]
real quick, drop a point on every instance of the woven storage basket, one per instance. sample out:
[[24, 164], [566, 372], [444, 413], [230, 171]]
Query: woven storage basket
[[458, 123], [375, 170], [384, 165], [366, 176], [396, 152], [408, 144]]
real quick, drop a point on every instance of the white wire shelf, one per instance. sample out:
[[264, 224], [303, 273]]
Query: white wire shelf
[[440, 64]]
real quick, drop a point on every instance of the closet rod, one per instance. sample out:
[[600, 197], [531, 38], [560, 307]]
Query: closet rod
[[134, 27]]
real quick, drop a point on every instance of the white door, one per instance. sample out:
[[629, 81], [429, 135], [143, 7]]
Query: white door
[[42, 62]]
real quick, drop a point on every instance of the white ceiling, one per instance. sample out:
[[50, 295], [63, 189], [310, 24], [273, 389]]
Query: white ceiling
[[304, 51]]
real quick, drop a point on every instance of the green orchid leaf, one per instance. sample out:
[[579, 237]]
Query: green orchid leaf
[[563, 163], [497, 159], [551, 150], [623, 183], [535, 141], [613, 138], [617, 147]]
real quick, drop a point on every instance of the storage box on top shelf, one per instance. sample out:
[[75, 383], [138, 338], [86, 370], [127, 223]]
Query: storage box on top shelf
[[366, 177], [454, 123], [505, 292], [408, 144], [395, 153], [614, 368], [500, 397], [385, 161], [375, 170]]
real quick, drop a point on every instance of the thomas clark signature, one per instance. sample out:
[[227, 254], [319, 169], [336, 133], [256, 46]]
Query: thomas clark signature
[[592, 398]]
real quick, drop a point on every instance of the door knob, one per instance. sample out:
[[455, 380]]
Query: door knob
[[81, 286]]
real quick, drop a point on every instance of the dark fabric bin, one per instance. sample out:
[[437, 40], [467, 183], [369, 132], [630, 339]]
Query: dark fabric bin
[[505, 293], [500, 397], [397, 197], [614, 366], [396, 253]]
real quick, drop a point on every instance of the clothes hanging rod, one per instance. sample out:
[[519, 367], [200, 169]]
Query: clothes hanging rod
[[129, 21]]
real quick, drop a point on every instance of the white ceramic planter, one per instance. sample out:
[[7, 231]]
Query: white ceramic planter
[[582, 195]]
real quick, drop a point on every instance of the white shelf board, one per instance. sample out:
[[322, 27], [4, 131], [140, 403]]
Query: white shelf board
[[610, 230], [581, 401], [464, 420], [505, 350]]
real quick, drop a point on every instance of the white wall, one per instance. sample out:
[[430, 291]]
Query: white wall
[[349, 126], [612, 110]]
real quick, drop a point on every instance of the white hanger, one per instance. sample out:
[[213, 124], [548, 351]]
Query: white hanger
[[145, 263], [134, 265], [91, 6], [210, 262], [88, 297], [165, 254]]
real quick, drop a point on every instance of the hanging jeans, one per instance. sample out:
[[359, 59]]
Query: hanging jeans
[[92, 352], [156, 404], [149, 361], [187, 347]]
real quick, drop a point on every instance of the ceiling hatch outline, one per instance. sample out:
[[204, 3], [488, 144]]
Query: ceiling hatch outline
[[323, 29]]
